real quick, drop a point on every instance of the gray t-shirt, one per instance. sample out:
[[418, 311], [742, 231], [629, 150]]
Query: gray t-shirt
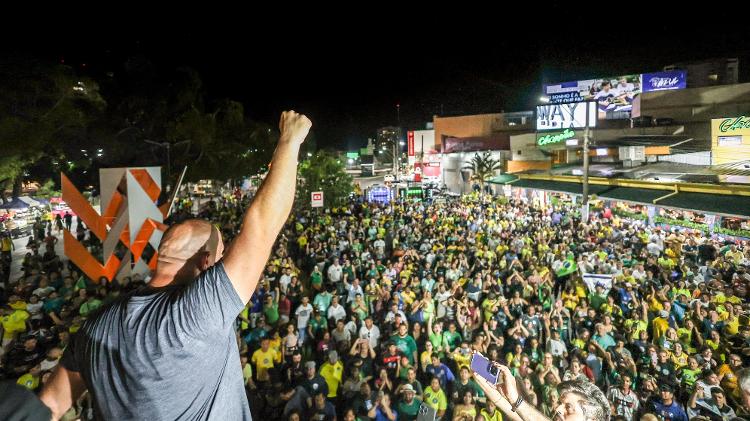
[[165, 353]]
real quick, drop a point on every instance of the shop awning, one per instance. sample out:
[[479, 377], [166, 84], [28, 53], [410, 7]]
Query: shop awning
[[503, 179], [722, 204], [558, 186], [633, 195]]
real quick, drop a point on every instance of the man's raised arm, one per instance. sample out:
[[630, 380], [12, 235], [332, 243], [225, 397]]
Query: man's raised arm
[[245, 259]]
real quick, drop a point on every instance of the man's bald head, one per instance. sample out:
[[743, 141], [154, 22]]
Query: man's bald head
[[184, 241]]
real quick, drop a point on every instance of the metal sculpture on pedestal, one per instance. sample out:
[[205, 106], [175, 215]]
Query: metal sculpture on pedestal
[[129, 226]]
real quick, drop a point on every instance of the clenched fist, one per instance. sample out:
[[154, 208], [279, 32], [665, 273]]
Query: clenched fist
[[294, 127]]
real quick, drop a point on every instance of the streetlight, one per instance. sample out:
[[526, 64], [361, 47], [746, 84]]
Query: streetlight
[[544, 99], [168, 146]]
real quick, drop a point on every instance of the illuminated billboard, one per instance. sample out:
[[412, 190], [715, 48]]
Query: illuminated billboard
[[566, 116], [613, 95], [664, 81]]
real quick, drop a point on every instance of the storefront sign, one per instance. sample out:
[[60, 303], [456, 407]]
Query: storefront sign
[[729, 125], [410, 138], [555, 137], [664, 81], [730, 139]]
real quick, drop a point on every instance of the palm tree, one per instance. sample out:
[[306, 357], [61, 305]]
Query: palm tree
[[483, 167]]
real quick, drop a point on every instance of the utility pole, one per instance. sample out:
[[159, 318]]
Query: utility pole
[[585, 206], [168, 146], [396, 141]]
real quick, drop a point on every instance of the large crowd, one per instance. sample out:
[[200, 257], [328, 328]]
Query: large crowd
[[365, 312]]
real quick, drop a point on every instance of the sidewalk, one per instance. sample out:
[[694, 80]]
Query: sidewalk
[[21, 250]]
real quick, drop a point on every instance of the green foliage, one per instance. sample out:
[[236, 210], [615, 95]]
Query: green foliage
[[483, 167], [325, 172], [48, 190], [681, 223], [735, 233], [44, 112]]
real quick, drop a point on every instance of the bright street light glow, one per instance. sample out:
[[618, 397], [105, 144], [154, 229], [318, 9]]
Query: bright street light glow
[[401, 143], [309, 154], [544, 99]]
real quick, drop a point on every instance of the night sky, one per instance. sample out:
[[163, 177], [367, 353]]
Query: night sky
[[348, 76]]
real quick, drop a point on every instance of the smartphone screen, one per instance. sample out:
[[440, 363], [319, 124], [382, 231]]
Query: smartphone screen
[[483, 367]]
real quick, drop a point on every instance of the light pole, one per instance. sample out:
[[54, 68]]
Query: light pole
[[168, 146], [585, 206], [395, 141]]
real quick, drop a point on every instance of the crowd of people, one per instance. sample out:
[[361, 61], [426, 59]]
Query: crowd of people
[[367, 311]]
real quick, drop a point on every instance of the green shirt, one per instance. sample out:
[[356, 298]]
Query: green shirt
[[437, 342], [689, 377], [322, 302], [89, 306], [272, 313], [316, 278], [408, 412], [452, 339], [406, 345]]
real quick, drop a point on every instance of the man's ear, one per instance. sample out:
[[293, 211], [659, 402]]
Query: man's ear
[[205, 260]]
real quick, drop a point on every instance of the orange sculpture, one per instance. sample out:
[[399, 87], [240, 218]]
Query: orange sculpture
[[130, 222]]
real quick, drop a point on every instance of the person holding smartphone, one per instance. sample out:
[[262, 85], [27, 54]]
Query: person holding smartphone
[[580, 400]]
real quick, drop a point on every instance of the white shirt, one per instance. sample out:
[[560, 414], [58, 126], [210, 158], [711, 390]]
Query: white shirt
[[303, 314], [625, 405], [35, 310], [654, 249], [284, 282], [48, 365], [372, 334], [336, 312], [353, 291], [334, 273], [556, 348]]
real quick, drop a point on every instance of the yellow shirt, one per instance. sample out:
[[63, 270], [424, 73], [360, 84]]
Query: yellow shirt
[[435, 400], [461, 359], [14, 323], [28, 381], [680, 361], [263, 361], [247, 372], [660, 326], [332, 374], [729, 381]]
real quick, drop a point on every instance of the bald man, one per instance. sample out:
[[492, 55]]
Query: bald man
[[168, 351]]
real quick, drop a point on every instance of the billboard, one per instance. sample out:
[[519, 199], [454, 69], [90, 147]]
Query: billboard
[[664, 81], [613, 95], [496, 142], [566, 116], [410, 137]]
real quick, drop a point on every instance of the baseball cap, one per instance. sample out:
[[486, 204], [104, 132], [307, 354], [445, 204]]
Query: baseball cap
[[407, 388]]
